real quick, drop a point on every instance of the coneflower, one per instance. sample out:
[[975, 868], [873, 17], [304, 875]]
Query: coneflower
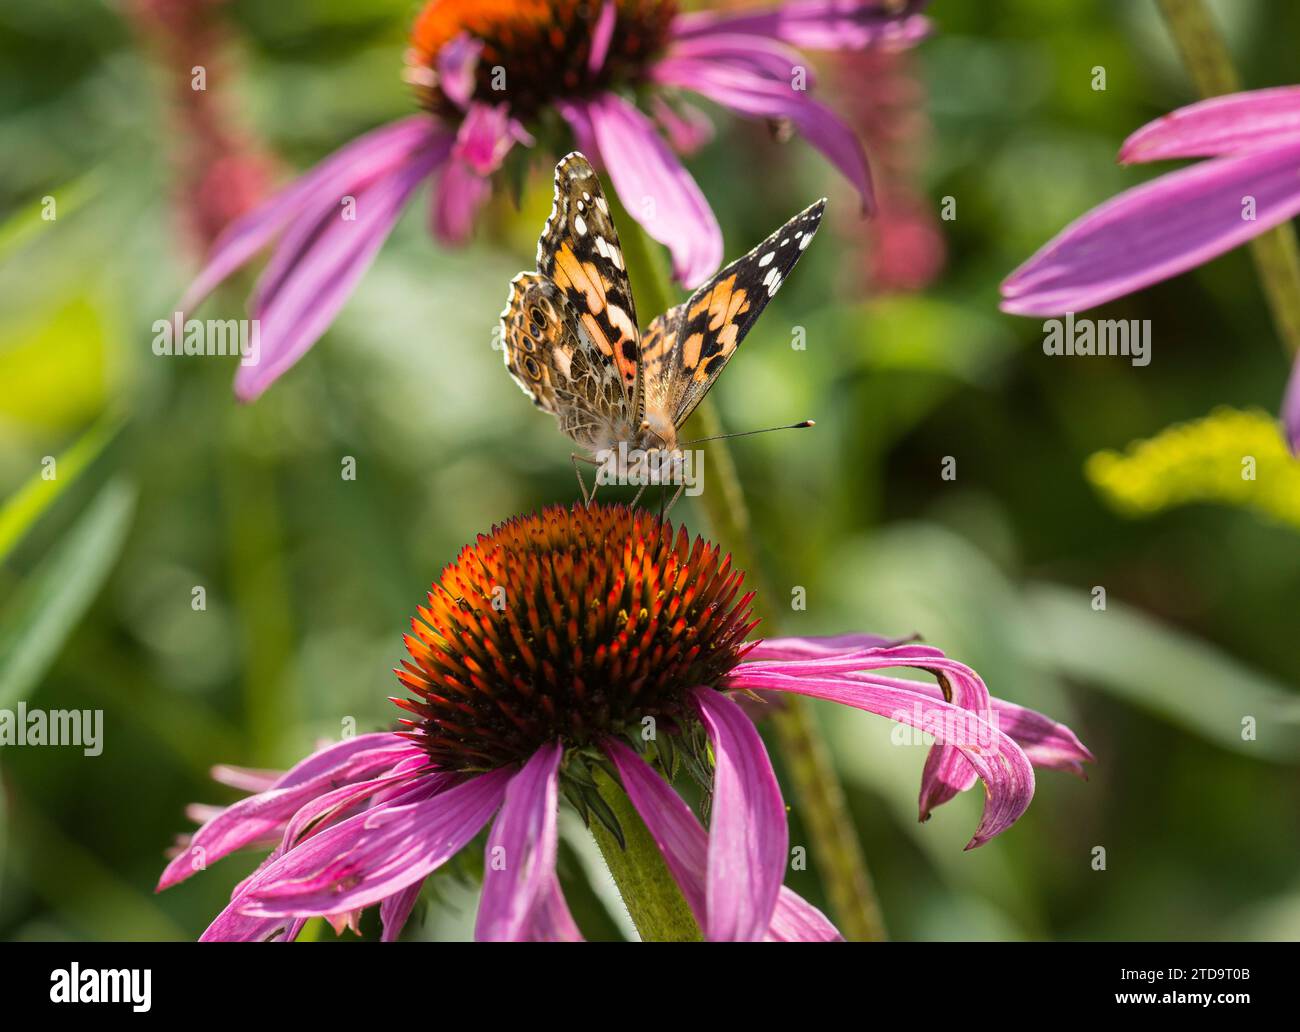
[[583, 638], [491, 74]]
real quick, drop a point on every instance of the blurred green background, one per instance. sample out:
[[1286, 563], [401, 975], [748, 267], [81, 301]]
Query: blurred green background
[[165, 484]]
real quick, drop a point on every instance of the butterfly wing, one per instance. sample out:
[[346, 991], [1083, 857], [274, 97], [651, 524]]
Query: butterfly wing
[[684, 350], [579, 252], [550, 354]]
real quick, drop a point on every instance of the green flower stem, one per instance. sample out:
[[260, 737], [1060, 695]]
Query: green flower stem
[[821, 803], [1277, 259], [652, 898]]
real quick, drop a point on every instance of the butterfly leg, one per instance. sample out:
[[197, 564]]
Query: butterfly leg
[[587, 498], [676, 495]]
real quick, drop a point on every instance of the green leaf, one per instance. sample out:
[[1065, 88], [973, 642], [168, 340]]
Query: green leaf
[[1166, 672], [27, 505], [50, 602]]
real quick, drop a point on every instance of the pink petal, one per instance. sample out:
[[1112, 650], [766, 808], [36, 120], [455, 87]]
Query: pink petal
[[255, 818], [684, 845], [550, 920], [372, 154], [797, 920], [756, 95], [1005, 770], [686, 126], [1156, 231], [246, 779], [458, 195], [1221, 125], [818, 24], [813, 648], [373, 855], [584, 134], [654, 187], [520, 860], [946, 771], [394, 910], [601, 35], [457, 63], [748, 837], [766, 57], [1291, 408], [306, 302], [485, 137]]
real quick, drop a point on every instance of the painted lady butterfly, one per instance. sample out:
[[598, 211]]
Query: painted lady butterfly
[[570, 329]]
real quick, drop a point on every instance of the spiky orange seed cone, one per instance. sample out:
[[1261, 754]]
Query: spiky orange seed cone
[[571, 624]]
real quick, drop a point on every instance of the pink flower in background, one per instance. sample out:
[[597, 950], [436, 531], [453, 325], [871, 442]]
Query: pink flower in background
[[221, 169], [614, 625], [1182, 219], [490, 73], [905, 249]]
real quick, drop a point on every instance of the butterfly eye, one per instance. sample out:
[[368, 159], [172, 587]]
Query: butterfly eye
[[529, 345], [532, 368], [537, 317]]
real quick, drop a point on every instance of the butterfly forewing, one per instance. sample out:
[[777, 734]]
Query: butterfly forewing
[[685, 349], [579, 251]]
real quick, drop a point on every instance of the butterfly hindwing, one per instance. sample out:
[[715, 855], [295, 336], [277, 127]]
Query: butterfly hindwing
[[685, 349], [579, 251], [551, 356]]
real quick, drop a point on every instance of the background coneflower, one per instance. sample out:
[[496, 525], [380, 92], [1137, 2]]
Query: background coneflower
[[493, 75]]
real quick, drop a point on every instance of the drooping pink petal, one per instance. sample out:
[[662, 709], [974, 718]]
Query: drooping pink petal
[[748, 836], [373, 855], [394, 910], [550, 920], [232, 926], [1231, 124], [769, 58], [601, 35], [946, 771], [246, 779], [1156, 231], [584, 135], [457, 62], [373, 154], [310, 296], [817, 24], [521, 850], [1000, 763], [684, 845], [484, 139], [458, 195], [814, 648], [797, 920], [751, 93], [258, 816], [1291, 408], [652, 184], [686, 126]]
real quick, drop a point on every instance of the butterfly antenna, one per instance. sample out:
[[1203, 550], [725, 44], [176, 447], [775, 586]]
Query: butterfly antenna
[[748, 433]]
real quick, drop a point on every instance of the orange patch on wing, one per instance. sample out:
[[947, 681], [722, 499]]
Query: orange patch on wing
[[571, 273], [726, 305], [597, 334], [691, 350]]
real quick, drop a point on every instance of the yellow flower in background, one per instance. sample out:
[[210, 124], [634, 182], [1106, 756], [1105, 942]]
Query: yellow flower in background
[[1231, 457]]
